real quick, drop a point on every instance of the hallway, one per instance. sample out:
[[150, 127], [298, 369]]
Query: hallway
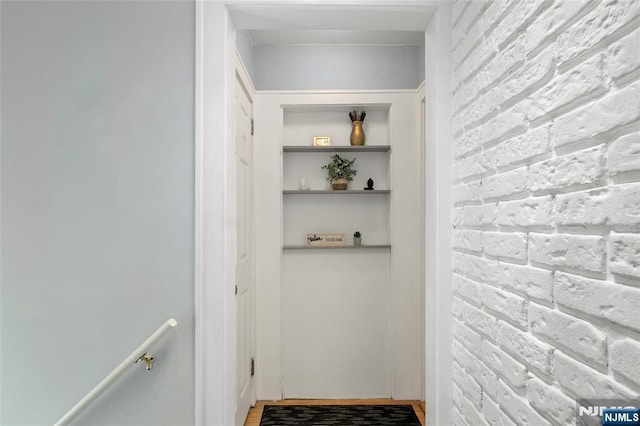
[[514, 274]]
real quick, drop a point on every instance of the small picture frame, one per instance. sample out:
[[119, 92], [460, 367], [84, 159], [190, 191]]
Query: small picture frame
[[322, 141]]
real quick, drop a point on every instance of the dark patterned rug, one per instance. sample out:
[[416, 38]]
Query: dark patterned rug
[[339, 415]]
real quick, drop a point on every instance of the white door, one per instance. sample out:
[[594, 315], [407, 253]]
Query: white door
[[244, 266]]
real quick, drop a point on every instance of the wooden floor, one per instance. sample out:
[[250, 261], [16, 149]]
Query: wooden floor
[[255, 413]]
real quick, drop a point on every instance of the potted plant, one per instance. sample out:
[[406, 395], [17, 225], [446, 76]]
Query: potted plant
[[357, 238], [340, 171]]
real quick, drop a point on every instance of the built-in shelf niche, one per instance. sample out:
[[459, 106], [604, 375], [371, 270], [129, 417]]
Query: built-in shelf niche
[[322, 209]]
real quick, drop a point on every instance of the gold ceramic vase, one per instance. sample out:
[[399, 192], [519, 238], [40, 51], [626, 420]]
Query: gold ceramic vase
[[357, 134]]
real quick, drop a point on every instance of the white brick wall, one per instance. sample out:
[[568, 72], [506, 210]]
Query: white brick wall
[[546, 195]]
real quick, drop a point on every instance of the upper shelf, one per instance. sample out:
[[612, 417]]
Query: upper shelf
[[339, 148]]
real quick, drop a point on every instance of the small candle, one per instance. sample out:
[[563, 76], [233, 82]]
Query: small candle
[[303, 184]]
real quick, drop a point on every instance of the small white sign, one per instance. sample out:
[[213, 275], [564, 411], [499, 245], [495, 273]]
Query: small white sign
[[325, 240]]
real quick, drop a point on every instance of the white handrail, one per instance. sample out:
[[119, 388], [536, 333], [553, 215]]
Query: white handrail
[[116, 373]]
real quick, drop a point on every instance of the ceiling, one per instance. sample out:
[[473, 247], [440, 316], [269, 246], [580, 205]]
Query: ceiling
[[333, 24]]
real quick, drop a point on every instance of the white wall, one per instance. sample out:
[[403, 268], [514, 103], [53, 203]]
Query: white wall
[[335, 321], [97, 208], [437, 262], [215, 216], [546, 199], [336, 67], [245, 49], [421, 63]]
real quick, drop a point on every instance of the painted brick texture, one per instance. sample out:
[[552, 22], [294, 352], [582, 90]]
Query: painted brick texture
[[546, 214]]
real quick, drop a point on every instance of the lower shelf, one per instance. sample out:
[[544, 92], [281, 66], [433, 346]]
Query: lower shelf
[[364, 246]]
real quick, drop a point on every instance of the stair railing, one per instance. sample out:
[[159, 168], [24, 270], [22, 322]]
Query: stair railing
[[140, 354]]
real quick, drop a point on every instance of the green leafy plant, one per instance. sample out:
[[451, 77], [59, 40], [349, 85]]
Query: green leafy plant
[[357, 234], [340, 168]]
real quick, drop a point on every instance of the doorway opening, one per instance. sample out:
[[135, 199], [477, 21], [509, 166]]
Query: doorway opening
[[237, 18]]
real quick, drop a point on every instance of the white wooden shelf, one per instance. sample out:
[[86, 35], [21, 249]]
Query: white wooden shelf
[[364, 246], [336, 192], [339, 148]]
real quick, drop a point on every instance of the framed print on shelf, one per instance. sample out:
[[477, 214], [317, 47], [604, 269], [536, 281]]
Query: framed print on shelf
[[322, 141]]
